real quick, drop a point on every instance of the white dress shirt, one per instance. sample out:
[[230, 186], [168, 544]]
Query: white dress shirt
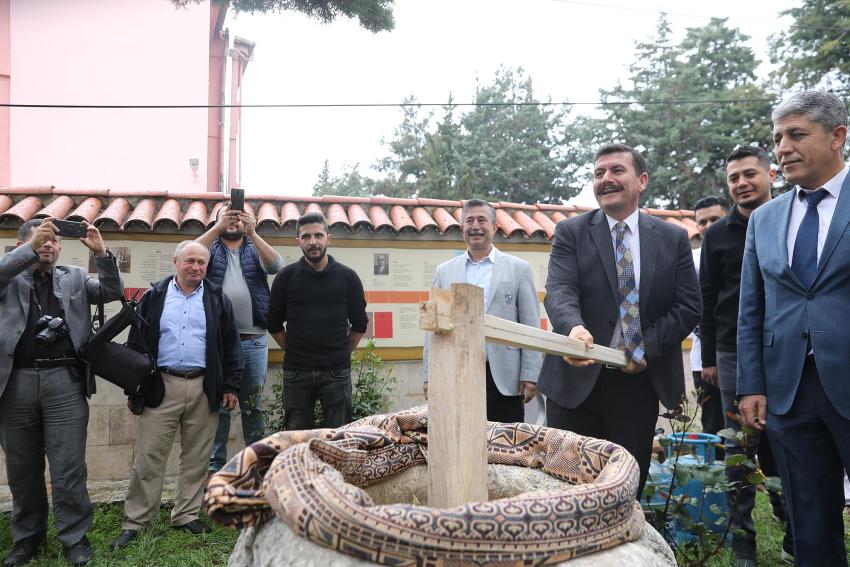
[[826, 208], [632, 241], [480, 273]]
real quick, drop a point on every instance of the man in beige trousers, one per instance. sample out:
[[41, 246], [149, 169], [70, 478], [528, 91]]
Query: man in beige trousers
[[192, 335]]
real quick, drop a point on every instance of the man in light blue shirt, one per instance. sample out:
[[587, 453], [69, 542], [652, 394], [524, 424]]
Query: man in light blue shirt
[[193, 336]]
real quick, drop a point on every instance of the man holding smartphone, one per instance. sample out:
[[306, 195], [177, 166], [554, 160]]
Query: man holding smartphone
[[240, 261], [43, 409]]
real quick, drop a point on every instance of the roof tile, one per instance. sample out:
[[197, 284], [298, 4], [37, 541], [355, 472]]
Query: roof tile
[[142, 215], [169, 215], [379, 217], [5, 203], [529, 226], [357, 216], [87, 210], [268, 215], [422, 219], [290, 213], [23, 209], [58, 208], [115, 213], [444, 219], [196, 215], [401, 220], [336, 215], [506, 224]]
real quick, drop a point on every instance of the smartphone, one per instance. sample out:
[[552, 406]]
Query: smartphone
[[237, 199], [70, 229]]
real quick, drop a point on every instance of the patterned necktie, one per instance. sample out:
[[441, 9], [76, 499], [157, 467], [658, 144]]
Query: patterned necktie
[[804, 262], [629, 297]]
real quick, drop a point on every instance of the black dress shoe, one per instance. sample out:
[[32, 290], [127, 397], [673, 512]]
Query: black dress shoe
[[25, 550], [80, 552], [195, 527], [124, 539]]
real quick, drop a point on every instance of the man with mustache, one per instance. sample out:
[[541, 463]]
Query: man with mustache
[[626, 280], [509, 293], [792, 322], [323, 307], [240, 261]]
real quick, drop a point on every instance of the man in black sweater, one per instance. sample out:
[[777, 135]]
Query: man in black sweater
[[749, 178], [324, 308]]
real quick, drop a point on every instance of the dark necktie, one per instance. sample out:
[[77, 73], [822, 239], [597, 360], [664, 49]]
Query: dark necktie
[[805, 259]]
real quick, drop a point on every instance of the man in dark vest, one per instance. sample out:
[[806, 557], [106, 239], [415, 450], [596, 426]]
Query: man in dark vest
[[239, 262]]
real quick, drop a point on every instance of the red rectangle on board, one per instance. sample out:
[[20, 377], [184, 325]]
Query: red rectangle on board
[[383, 324]]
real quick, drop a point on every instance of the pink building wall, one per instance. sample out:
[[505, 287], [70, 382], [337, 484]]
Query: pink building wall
[[5, 69], [109, 52]]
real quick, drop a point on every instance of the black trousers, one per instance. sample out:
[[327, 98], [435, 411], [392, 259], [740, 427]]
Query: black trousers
[[622, 408], [811, 443], [301, 388], [44, 412], [502, 408], [711, 404]]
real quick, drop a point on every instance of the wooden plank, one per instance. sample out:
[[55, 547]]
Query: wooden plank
[[513, 334], [457, 408]]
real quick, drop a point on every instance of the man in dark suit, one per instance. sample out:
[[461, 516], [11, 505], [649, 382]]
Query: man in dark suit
[[792, 322], [627, 280]]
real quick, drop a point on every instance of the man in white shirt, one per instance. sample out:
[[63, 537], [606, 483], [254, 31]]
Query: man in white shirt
[[792, 322]]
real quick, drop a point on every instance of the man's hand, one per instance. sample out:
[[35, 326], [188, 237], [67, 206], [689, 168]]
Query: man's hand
[[227, 218], [634, 367], [94, 241], [753, 410], [425, 390], [249, 222], [229, 401], [43, 233], [527, 390], [709, 375], [582, 334]]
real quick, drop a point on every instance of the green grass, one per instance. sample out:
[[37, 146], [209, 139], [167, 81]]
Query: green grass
[[769, 535], [159, 546]]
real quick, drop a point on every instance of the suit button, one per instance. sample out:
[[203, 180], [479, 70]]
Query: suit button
[[805, 336], [810, 296]]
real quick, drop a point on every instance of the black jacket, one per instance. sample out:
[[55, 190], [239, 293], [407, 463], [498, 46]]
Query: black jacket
[[224, 350], [720, 280], [581, 289]]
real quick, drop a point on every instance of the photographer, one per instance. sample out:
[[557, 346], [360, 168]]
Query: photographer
[[45, 311]]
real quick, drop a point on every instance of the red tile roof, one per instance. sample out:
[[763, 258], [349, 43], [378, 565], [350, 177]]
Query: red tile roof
[[166, 211]]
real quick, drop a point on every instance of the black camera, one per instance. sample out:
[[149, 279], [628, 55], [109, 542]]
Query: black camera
[[49, 329]]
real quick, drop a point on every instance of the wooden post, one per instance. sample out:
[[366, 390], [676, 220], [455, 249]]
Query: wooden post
[[457, 393], [457, 407]]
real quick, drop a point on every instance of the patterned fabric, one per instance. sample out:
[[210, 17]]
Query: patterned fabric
[[805, 259], [312, 480], [629, 297]]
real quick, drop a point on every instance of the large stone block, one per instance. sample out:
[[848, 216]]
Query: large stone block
[[122, 426], [108, 394], [273, 544], [109, 462], [97, 432]]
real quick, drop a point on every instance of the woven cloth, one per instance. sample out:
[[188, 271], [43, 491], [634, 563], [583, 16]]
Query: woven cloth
[[312, 480]]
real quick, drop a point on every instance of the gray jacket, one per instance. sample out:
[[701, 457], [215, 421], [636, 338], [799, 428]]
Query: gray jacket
[[513, 297], [71, 285]]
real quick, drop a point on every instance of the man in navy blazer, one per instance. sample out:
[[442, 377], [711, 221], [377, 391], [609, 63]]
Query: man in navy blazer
[[585, 299], [793, 340]]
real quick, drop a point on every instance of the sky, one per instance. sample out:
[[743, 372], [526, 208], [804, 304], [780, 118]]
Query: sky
[[570, 48]]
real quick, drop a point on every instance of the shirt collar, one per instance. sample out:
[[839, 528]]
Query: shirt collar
[[631, 221], [491, 256], [833, 186], [735, 217], [177, 287]]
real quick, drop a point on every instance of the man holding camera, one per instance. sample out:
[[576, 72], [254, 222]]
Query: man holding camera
[[43, 409]]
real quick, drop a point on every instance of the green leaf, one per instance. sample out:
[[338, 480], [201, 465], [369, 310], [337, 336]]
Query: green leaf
[[734, 460]]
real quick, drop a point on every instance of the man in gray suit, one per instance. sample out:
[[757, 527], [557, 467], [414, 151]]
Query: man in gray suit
[[43, 410], [509, 294], [627, 280], [792, 322]]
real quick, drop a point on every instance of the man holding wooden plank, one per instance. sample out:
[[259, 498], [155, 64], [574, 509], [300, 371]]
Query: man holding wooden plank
[[627, 280], [509, 293]]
